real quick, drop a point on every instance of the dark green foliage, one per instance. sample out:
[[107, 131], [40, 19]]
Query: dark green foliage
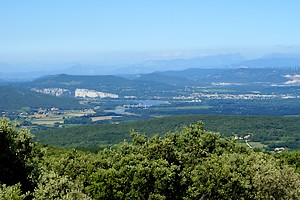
[[78, 120], [11, 192], [259, 107], [292, 158], [272, 131], [242, 176], [110, 134], [191, 164], [19, 156], [78, 81], [187, 164], [65, 173]]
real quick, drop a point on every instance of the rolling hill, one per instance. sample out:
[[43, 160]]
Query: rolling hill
[[241, 75], [141, 84], [104, 83], [12, 98]]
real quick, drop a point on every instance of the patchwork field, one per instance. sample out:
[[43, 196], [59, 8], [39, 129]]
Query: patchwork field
[[52, 118]]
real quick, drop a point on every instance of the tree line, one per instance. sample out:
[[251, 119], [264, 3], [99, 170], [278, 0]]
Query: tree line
[[190, 163], [272, 131]]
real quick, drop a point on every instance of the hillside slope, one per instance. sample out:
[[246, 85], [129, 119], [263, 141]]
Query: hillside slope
[[240, 75], [16, 98], [104, 83]]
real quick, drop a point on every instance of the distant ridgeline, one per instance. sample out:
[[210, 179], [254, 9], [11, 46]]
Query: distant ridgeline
[[244, 91], [193, 76], [95, 86], [143, 85]]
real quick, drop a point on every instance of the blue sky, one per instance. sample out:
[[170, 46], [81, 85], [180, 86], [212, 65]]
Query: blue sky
[[105, 30]]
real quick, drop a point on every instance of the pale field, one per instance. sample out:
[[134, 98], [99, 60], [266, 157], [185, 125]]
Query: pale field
[[94, 119], [74, 115], [79, 113], [257, 145], [47, 121]]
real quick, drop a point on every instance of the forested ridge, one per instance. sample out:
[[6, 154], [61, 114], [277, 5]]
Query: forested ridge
[[188, 163]]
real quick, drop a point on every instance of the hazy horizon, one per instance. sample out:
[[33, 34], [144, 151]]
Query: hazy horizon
[[49, 35]]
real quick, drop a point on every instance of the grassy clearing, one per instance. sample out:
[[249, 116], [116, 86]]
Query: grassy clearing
[[94, 119], [257, 145]]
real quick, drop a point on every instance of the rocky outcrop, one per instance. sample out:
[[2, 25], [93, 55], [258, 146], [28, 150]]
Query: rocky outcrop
[[53, 91], [85, 93]]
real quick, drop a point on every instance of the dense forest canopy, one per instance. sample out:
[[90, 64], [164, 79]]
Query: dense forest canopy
[[190, 163], [270, 131]]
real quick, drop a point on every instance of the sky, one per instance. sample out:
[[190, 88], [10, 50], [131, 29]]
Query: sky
[[116, 31]]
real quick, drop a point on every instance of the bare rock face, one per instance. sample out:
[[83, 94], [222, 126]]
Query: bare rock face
[[85, 93], [53, 91], [293, 79]]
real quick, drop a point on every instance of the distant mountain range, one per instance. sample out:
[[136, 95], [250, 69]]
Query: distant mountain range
[[222, 61], [216, 61], [272, 60], [194, 76], [169, 79]]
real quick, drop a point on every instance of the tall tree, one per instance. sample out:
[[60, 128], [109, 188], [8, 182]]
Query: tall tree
[[19, 156]]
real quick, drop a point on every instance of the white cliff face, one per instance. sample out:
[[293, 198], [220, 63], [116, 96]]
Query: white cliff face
[[85, 93], [53, 91], [294, 79]]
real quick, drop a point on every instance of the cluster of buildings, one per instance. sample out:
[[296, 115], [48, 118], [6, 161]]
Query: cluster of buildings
[[45, 111], [53, 91], [196, 97]]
